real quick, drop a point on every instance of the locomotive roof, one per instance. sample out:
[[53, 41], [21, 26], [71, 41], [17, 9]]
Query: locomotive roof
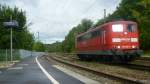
[[100, 26]]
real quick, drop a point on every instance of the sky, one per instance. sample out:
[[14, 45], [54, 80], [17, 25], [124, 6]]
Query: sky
[[53, 19]]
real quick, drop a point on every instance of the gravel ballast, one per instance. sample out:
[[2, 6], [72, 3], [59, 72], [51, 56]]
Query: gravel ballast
[[116, 70]]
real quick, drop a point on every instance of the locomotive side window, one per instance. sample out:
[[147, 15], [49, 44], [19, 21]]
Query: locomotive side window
[[84, 37], [87, 36], [131, 28], [79, 39], [96, 33], [117, 28]]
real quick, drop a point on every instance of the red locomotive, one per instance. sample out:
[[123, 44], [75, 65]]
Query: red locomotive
[[117, 40]]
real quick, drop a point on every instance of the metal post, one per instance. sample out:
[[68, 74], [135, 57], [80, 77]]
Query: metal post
[[11, 24], [31, 49], [38, 36], [6, 58], [104, 13], [11, 46], [31, 53], [45, 48]]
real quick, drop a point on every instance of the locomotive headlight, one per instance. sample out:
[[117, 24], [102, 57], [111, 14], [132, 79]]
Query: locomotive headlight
[[118, 46], [133, 46], [134, 39], [116, 40]]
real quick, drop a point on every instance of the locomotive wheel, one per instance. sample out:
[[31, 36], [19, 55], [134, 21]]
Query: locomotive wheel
[[97, 57], [110, 58], [116, 59], [106, 58], [84, 57], [130, 58], [88, 57], [80, 57], [102, 58]]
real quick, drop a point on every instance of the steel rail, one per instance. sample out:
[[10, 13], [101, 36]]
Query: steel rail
[[136, 66], [128, 65], [100, 73], [144, 58]]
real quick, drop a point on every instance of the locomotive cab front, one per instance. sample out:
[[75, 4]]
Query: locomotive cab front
[[125, 40], [112, 41]]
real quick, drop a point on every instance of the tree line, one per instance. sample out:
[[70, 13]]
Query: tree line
[[134, 10], [22, 38]]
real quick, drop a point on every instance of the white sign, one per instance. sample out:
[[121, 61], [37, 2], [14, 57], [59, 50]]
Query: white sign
[[12, 23]]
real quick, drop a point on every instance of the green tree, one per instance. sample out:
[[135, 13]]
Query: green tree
[[142, 15], [38, 46], [55, 47], [68, 44], [22, 38]]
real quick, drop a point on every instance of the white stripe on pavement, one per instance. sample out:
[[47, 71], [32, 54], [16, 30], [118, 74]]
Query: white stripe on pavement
[[76, 75], [15, 68], [23, 64], [46, 73]]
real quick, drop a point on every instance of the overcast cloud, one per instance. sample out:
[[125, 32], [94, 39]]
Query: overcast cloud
[[54, 18]]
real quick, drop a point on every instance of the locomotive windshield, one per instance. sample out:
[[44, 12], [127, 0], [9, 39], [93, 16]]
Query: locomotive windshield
[[117, 27], [131, 28]]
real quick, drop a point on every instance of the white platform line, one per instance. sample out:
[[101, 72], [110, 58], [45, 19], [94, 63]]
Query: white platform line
[[46, 73], [15, 68], [24, 64], [76, 75]]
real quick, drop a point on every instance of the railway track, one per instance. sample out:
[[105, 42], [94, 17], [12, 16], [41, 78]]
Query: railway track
[[128, 65], [104, 74], [144, 58], [134, 66]]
